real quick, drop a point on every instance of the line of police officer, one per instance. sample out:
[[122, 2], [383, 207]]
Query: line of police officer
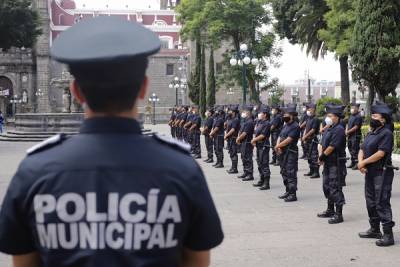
[[279, 129]]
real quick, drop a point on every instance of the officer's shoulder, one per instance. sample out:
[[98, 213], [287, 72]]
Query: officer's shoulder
[[47, 144], [172, 143]]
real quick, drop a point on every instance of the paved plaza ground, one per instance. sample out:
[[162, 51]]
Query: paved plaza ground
[[262, 230]]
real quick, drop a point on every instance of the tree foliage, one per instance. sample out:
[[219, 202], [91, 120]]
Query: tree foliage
[[203, 86], [194, 81], [211, 80], [375, 48], [19, 24]]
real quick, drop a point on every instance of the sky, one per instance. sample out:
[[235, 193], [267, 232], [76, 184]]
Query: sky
[[294, 61]]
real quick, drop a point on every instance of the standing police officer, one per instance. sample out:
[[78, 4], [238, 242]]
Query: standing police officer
[[261, 142], [195, 132], [108, 196], [171, 122], [353, 133], [276, 127], [333, 158], [232, 130], [302, 123], [375, 161], [244, 140], [209, 142], [217, 134], [287, 150], [310, 140]]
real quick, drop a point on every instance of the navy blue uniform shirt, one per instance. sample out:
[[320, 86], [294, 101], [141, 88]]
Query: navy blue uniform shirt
[[233, 123], [248, 128], [291, 130], [355, 119], [313, 123], [335, 136], [219, 122], [263, 128], [196, 119], [277, 122], [109, 196], [380, 139], [209, 122]]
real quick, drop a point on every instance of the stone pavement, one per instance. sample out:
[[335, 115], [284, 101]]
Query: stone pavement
[[262, 230]]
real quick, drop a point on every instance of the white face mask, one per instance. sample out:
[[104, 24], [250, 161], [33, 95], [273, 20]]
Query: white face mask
[[244, 115], [255, 108], [328, 121], [273, 112], [309, 113], [260, 116], [207, 114], [304, 109], [352, 110]]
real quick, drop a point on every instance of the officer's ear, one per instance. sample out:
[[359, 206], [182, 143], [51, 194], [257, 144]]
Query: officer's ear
[[76, 92], [143, 88]]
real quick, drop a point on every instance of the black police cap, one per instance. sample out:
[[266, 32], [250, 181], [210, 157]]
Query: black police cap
[[334, 109], [104, 40], [311, 105], [381, 108], [290, 108], [355, 105]]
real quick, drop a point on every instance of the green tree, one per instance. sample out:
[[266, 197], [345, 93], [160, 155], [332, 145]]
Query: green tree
[[337, 36], [19, 24], [323, 101], [203, 85], [211, 80], [276, 93], [194, 80], [375, 49]]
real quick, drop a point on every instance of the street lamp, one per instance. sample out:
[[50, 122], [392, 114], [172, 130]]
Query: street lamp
[[177, 83], [154, 99], [242, 58]]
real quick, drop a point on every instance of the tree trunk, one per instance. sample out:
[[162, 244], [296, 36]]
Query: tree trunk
[[211, 80], [345, 81], [203, 86], [370, 101]]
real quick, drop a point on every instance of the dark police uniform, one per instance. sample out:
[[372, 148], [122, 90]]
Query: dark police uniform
[[354, 139], [334, 168], [172, 119], [207, 139], [289, 158], [311, 144], [189, 134], [275, 132], [178, 129], [233, 123], [263, 148], [108, 196], [379, 179], [219, 138], [246, 149], [184, 118], [303, 119], [196, 120]]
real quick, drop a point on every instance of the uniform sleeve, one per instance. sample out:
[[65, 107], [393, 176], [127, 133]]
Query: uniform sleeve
[[15, 234], [315, 124], [265, 129], [337, 138], [235, 124], [204, 230], [248, 127], [358, 121], [198, 121], [294, 133], [386, 142]]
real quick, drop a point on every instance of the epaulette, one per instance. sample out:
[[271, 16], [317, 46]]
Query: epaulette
[[50, 142], [172, 142]]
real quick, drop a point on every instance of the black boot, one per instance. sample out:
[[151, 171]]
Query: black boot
[[232, 171], [197, 156], [249, 177], [387, 239], [373, 232], [329, 212], [285, 195], [219, 165], [260, 182], [352, 164], [355, 167], [216, 163], [291, 198], [266, 186], [273, 162], [209, 160], [309, 173], [338, 216], [315, 174], [242, 176]]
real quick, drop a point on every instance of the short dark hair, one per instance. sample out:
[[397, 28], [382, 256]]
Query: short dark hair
[[111, 87]]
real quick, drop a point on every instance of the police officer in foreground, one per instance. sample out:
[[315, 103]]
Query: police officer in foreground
[[231, 133], [261, 142], [207, 128], [217, 134], [353, 133], [310, 140], [333, 159], [287, 150], [375, 161], [108, 196], [276, 127], [244, 140]]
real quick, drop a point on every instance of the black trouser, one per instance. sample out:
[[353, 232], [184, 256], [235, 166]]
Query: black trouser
[[331, 183], [263, 160], [303, 144], [289, 165], [233, 151], [196, 142], [190, 139], [274, 139], [378, 191], [353, 144], [185, 135], [219, 148], [173, 132], [246, 154], [312, 154], [209, 146], [178, 133]]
